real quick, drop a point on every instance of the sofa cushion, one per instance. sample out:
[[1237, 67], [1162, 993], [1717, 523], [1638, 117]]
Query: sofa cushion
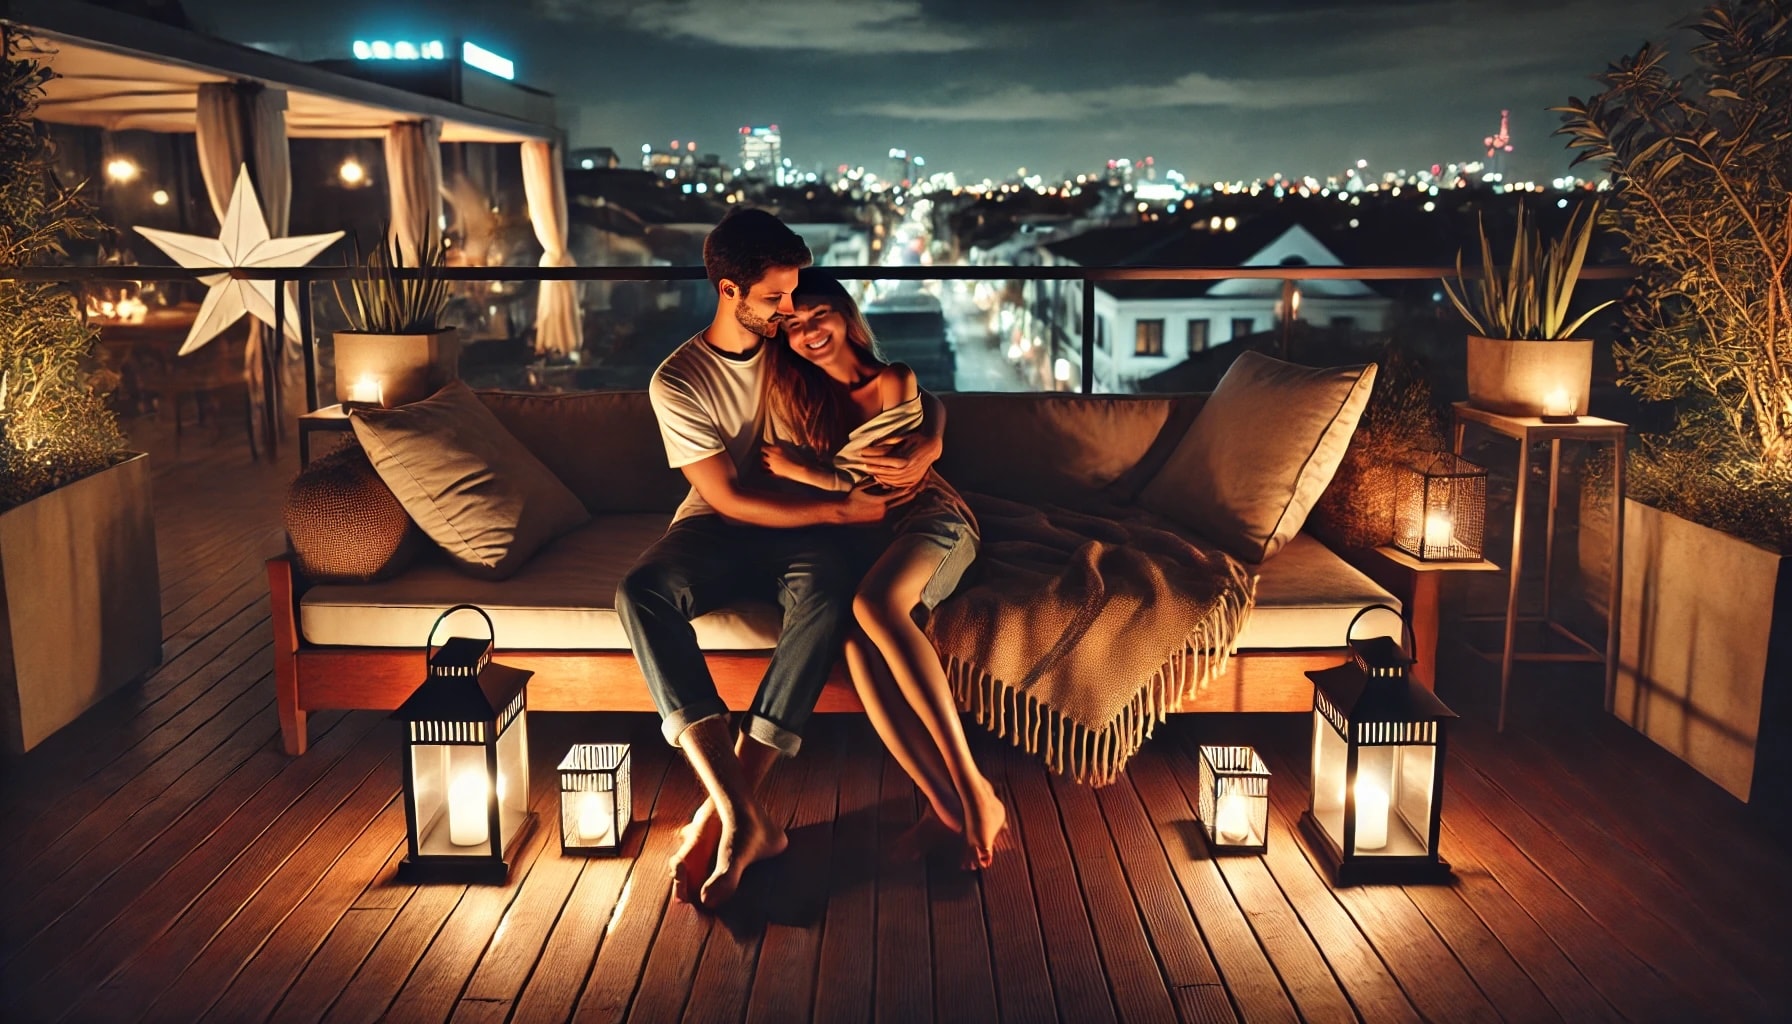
[[562, 599], [472, 487], [343, 523], [1260, 453], [1049, 447], [1306, 597], [603, 445]]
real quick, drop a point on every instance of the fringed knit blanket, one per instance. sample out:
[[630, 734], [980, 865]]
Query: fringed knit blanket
[[1076, 634]]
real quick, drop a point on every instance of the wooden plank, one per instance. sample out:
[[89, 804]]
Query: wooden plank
[[341, 954], [1016, 946], [1240, 961], [384, 970], [245, 759], [1688, 965], [844, 977], [783, 982], [611, 985], [964, 984], [352, 843], [142, 899], [553, 989], [1080, 983], [1141, 989], [1352, 958], [159, 961], [902, 985]]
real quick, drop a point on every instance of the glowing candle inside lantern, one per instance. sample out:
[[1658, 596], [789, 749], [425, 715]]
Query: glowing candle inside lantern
[[366, 390], [1558, 403], [594, 818], [1439, 531], [1232, 821], [1371, 815], [467, 810]]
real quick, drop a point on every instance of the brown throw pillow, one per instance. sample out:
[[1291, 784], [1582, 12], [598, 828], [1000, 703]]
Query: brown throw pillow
[[468, 482], [1260, 453], [344, 524]]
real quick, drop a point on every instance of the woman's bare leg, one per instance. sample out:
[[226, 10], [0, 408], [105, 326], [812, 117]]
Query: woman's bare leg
[[910, 743], [884, 608]]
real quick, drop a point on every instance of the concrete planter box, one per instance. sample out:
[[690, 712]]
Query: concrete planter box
[[83, 600], [1514, 377], [1705, 650]]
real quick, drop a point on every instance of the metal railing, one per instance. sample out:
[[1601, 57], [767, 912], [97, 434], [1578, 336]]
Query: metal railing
[[1089, 278]]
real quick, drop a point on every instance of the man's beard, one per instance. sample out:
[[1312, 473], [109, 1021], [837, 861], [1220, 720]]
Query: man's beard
[[764, 327]]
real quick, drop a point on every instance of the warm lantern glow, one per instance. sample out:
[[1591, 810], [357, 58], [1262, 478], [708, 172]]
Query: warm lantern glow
[[594, 818], [1558, 403], [121, 170], [351, 172], [1371, 815], [365, 390], [467, 824], [1233, 822], [1438, 530]]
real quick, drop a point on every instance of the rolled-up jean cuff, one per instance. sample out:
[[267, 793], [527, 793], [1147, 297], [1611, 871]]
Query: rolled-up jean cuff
[[770, 733], [676, 722]]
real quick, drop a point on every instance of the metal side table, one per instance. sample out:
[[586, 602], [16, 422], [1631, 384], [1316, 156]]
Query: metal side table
[[1528, 431]]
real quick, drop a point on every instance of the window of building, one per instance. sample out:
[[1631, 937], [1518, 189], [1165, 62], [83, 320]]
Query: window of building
[[1101, 333], [1241, 326], [1150, 338], [1197, 336]]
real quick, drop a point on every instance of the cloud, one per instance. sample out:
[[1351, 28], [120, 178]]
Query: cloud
[[1196, 89], [839, 26]]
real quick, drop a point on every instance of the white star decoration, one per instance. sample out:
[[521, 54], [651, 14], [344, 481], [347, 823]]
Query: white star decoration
[[243, 242]]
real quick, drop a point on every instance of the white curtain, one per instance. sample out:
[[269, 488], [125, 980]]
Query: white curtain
[[558, 323], [414, 182], [238, 124]]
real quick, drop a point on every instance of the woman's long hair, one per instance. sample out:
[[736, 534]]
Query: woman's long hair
[[807, 406]]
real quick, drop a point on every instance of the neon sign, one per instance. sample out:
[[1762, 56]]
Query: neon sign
[[381, 49]]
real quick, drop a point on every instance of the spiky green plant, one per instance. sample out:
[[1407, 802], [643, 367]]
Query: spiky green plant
[[1701, 165], [55, 426], [391, 298], [1528, 299]]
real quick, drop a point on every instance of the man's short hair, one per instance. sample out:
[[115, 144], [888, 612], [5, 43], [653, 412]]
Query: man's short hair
[[747, 244]]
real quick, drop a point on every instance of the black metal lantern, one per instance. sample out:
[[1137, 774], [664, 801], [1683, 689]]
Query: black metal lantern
[[596, 798], [1234, 800], [1440, 507], [1378, 768], [466, 766]]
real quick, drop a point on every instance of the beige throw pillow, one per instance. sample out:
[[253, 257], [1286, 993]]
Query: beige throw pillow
[[1260, 453], [470, 484]]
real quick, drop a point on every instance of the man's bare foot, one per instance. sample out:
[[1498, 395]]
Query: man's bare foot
[[922, 838], [696, 855], [984, 819], [753, 838]]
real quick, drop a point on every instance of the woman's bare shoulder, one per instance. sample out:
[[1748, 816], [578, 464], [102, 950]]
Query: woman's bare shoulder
[[896, 384]]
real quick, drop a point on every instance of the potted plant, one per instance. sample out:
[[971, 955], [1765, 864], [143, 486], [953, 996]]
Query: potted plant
[[1699, 164], [396, 349], [1523, 359], [81, 613]]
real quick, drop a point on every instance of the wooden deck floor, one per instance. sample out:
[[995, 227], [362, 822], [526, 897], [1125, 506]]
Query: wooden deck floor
[[169, 863]]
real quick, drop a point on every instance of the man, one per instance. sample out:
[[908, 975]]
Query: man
[[729, 541]]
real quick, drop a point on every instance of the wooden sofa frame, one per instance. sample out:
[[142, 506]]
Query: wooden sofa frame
[[311, 678]]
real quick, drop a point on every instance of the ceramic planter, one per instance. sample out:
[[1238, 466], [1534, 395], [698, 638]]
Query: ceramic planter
[[394, 369], [1705, 650], [83, 599], [1515, 378]]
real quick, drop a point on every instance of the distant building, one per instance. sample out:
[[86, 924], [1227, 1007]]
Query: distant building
[[1144, 327], [594, 158], [762, 152]]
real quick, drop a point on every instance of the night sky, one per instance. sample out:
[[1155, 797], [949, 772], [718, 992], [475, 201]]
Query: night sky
[[1224, 89]]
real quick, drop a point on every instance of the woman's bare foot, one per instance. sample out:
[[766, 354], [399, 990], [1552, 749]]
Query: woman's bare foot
[[924, 837], [696, 855], [753, 838], [984, 819]]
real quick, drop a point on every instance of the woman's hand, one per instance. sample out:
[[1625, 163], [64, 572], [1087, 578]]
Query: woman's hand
[[903, 464], [782, 460]]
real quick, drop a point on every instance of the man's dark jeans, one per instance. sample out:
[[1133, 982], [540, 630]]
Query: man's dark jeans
[[705, 562]]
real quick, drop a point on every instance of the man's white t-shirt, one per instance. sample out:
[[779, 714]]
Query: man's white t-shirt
[[706, 402]]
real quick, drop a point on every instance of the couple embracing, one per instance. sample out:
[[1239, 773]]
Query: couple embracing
[[810, 463]]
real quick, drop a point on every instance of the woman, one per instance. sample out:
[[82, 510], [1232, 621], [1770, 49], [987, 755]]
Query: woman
[[828, 400]]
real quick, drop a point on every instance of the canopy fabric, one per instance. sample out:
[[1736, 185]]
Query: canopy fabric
[[414, 183], [558, 322]]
